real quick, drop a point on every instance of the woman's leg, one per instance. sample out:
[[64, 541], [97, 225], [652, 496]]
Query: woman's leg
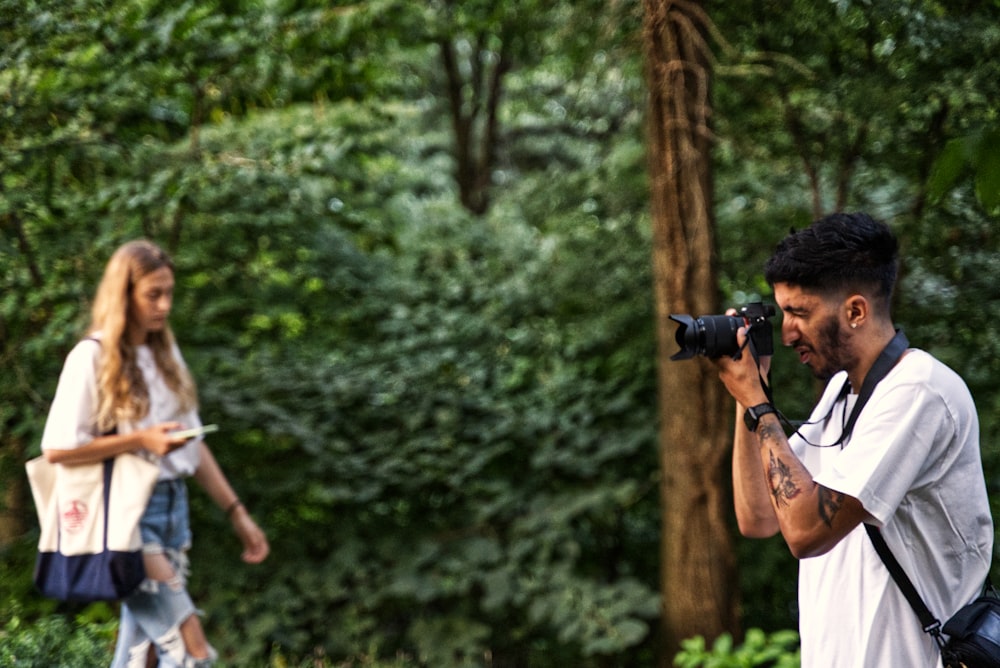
[[159, 569], [162, 608], [165, 614], [132, 644]]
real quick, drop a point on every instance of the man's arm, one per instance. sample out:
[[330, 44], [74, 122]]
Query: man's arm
[[812, 518], [755, 515]]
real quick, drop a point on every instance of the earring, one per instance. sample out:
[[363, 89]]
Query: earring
[[854, 325]]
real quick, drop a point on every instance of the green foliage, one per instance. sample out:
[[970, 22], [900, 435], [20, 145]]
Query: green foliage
[[446, 422], [56, 642], [426, 379], [768, 579], [777, 650], [978, 153], [424, 427]]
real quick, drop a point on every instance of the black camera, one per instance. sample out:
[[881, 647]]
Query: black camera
[[715, 335]]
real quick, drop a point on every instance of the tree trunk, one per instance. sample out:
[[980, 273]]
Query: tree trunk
[[14, 515], [699, 596], [474, 106], [14, 510]]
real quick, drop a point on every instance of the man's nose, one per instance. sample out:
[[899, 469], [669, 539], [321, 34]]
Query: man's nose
[[789, 333]]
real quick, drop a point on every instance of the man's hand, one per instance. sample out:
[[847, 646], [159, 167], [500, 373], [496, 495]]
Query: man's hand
[[742, 377]]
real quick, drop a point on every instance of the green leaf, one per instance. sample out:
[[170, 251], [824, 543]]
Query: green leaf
[[949, 167]]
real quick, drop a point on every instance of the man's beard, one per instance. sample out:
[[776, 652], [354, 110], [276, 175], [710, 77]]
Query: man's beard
[[833, 349]]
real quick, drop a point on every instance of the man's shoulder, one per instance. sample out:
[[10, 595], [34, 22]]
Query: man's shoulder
[[920, 365], [922, 377]]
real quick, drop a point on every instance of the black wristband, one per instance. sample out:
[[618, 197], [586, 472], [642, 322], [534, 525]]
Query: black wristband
[[752, 416], [232, 507]]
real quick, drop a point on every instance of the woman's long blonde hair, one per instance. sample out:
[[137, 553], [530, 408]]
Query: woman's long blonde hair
[[122, 392]]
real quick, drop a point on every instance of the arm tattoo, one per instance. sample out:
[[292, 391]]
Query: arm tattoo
[[768, 430], [830, 502], [783, 488]]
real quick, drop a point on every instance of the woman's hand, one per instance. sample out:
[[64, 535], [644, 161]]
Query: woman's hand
[[210, 476], [158, 440], [255, 545]]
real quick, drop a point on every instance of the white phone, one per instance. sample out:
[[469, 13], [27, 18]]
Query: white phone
[[195, 431]]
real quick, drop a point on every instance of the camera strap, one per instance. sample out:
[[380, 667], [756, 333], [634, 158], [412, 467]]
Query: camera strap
[[765, 383], [883, 364], [887, 359]]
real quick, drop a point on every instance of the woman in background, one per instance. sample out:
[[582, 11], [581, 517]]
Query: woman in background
[[125, 388]]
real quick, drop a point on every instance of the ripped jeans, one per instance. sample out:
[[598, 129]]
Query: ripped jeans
[[151, 617]]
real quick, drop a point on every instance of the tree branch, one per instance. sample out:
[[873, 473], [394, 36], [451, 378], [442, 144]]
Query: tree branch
[[797, 130]]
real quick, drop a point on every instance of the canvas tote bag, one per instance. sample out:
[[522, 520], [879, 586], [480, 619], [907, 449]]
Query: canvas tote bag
[[90, 548]]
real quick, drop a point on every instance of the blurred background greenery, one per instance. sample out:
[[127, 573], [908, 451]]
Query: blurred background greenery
[[414, 284]]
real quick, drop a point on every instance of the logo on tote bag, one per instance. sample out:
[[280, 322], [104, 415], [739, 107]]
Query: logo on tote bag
[[74, 515]]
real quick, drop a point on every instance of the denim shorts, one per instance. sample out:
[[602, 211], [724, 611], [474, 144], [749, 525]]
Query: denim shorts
[[165, 523], [152, 615]]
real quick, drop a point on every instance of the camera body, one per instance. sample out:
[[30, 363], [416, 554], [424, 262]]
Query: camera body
[[715, 335]]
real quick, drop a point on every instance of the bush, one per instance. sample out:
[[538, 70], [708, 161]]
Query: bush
[[87, 641], [57, 642], [778, 650]]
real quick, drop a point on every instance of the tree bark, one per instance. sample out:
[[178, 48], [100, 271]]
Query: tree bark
[[698, 590], [14, 513], [14, 510], [474, 106]]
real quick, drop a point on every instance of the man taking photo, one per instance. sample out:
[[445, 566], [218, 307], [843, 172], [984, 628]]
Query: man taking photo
[[910, 466]]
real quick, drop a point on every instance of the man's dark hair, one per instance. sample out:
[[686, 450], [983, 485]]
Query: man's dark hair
[[849, 251]]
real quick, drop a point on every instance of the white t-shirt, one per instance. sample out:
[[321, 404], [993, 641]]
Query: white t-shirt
[[72, 419], [914, 463]]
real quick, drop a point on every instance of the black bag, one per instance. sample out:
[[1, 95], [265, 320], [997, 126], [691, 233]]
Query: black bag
[[974, 634]]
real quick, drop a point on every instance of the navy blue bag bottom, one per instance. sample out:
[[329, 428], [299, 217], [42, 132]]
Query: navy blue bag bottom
[[105, 576]]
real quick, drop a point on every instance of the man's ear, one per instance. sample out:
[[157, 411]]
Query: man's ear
[[857, 310]]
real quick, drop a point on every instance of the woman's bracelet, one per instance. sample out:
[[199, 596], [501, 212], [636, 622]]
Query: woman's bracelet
[[232, 507]]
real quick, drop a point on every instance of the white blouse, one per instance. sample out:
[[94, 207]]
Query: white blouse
[[72, 420]]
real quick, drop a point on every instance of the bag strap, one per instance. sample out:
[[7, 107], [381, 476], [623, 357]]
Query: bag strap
[[109, 465], [931, 624], [886, 360]]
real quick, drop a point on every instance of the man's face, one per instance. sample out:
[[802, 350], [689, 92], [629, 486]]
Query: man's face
[[811, 324]]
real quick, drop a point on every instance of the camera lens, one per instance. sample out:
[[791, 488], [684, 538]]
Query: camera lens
[[718, 336], [710, 335]]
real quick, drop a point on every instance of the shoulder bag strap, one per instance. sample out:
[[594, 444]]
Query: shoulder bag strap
[[930, 623], [886, 360]]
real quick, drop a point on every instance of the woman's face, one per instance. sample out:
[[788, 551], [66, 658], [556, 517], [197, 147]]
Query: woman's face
[[149, 304]]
